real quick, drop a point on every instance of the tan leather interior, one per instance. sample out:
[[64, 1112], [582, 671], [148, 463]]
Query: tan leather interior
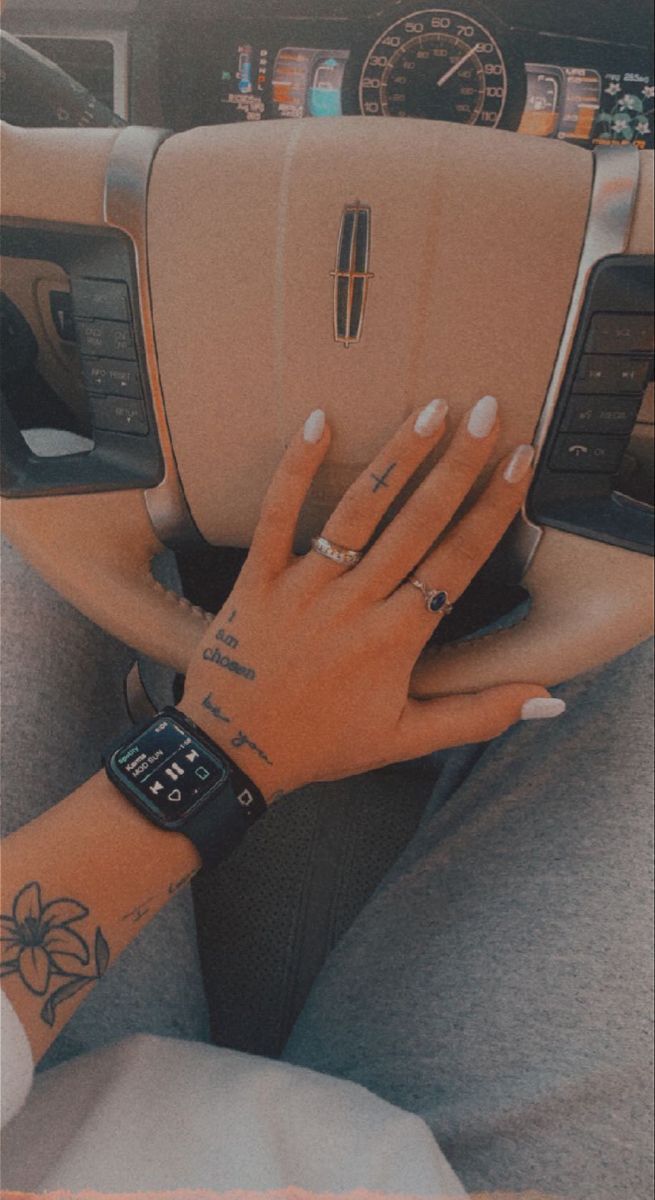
[[589, 604], [54, 174], [474, 249], [475, 244], [96, 550]]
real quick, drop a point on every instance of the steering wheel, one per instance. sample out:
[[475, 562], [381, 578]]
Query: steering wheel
[[249, 274]]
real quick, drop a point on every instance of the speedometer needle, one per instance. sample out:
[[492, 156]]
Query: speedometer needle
[[456, 66]]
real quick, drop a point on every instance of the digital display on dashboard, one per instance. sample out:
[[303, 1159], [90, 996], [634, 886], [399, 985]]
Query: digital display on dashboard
[[293, 81], [435, 64], [578, 104]]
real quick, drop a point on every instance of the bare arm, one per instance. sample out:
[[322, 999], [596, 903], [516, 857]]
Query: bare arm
[[78, 884], [303, 676]]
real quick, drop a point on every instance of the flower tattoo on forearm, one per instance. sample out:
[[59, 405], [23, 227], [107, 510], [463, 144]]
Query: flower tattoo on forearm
[[39, 945]]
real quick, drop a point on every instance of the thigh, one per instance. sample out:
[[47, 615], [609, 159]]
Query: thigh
[[62, 704], [499, 981]]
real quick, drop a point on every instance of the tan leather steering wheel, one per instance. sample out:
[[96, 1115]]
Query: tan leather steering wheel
[[481, 247]]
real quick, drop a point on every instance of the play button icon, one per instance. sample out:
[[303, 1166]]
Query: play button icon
[[175, 795]]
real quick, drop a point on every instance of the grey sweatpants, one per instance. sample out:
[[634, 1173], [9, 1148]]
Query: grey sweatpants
[[498, 981]]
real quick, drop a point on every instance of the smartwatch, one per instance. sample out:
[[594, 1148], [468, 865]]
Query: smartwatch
[[178, 778]]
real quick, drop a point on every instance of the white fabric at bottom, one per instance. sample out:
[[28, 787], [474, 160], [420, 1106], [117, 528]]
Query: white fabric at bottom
[[16, 1067], [156, 1113]]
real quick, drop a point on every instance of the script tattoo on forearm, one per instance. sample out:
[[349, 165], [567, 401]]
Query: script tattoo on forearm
[[380, 481], [177, 884], [139, 911], [39, 945]]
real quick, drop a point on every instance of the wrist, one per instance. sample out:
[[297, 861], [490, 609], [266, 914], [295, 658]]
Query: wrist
[[241, 750]]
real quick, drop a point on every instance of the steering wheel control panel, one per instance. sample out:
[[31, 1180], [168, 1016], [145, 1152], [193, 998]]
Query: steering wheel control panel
[[126, 450], [105, 334], [595, 474]]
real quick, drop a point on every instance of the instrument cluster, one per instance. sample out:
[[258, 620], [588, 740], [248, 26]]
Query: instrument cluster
[[440, 63]]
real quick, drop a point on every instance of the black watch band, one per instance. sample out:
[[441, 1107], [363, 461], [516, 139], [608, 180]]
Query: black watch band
[[178, 778]]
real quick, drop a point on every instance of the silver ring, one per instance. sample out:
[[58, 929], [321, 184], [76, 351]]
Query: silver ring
[[436, 600], [338, 554]]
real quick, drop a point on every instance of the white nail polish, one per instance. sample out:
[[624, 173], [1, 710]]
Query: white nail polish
[[542, 707], [314, 426], [430, 418], [483, 417], [519, 464]]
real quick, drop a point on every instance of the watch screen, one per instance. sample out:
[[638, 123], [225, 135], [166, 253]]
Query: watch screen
[[169, 769]]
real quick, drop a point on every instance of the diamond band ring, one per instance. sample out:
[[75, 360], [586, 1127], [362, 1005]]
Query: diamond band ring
[[436, 600], [338, 554]]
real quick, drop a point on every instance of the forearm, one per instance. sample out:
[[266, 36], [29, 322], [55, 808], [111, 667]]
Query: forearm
[[105, 870]]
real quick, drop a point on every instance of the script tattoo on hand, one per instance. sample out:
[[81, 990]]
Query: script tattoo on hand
[[213, 654], [380, 481], [215, 709], [242, 739], [228, 639], [39, 945]]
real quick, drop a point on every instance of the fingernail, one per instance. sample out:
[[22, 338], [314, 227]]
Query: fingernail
[[540, 708], [483, 417], [519, 464], [430, 418], [314, 426]]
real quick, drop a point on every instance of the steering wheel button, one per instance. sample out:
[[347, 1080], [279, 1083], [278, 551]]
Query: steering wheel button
[[621, 333], [102, 298], [119, 414], [607, 373], [111, 376], [601, 414], [114, 339], [61, 311], [585, 452]]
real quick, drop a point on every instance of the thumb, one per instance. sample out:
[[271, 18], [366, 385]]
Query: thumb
[[428, 725]]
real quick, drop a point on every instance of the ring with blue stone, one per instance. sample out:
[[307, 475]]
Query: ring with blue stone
[[436, 600]]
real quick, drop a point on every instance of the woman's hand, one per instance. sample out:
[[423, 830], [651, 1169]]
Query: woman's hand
[[304, 675]]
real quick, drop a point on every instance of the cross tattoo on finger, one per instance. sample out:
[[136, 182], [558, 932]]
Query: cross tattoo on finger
[[381, 480]]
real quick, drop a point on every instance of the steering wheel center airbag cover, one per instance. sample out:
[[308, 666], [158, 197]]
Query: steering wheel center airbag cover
[[474, 241]]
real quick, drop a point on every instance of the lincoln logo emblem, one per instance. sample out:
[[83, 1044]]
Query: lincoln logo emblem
[[351, 273]]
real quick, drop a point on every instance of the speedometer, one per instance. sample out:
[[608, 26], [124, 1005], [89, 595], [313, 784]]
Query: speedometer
[[438, 64]]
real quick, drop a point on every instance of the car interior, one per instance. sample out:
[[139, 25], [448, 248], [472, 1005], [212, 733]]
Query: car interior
[[218, 215]]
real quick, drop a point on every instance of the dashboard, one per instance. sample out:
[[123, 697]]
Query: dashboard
[[441, 63], [576, 72]]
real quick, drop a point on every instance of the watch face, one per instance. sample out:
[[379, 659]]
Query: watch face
[[169, 770]]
